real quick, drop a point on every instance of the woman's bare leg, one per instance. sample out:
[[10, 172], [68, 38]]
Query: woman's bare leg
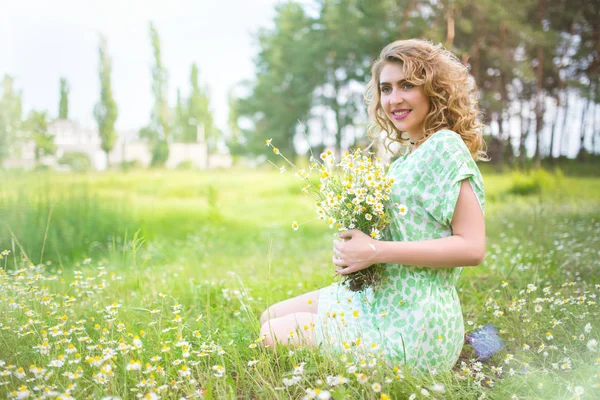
[[305, 303], [295, 328]]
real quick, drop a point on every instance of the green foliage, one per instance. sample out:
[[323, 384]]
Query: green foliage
[[159, 128], [106, 111], [10, 117], [36, 127], [130, 165], [77, 161], [159, 121], [63, 106], [535, 182], [160, 153], [198, 110], [185, 165]]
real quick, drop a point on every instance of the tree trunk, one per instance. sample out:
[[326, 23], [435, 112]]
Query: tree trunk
[[539, 90], [407, 11], [335, 106], [584, 111], [504, 99], [595, 129], [554, 123], [524, 118], [449, 24], [475, 62], [500, 163], [564, 136]]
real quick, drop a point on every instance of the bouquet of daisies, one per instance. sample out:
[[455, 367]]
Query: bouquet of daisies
[[351, 194]]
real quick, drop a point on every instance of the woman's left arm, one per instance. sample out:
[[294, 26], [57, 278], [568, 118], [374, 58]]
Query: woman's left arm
[[466, 246]]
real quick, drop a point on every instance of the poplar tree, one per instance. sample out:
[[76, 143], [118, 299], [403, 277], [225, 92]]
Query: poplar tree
[[63, 106], [106, 111]]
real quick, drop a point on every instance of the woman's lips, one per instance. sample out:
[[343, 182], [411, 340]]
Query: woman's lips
[[400, 115]]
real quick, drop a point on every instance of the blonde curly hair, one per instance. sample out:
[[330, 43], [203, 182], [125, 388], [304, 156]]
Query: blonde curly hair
[[451, 91]]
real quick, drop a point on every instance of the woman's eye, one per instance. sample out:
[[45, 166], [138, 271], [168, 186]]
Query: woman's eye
[[408, 86], [385, 89]]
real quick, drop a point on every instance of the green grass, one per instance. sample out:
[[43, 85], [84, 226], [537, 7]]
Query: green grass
[[220, 245]]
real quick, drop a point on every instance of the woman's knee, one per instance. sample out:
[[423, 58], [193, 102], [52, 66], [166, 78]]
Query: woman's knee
[[264, 317], [267, 333], [307, 302], [295, 328]]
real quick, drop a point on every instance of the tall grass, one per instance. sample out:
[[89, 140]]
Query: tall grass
[[214, 249]]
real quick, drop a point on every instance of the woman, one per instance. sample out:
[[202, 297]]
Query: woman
[[423, 97]]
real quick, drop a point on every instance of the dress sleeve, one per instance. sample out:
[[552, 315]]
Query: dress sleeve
[[451, 163]]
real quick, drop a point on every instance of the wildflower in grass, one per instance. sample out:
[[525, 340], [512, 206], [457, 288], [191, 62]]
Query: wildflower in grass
[[184, 371], [287, 382], [376, 387], [134, 365], [295, 225], [20, 373], [299, 369], [218, 370], [424, 392], [362, 378], [587, 328], [317, 394], [22, 393], [384, 396], [538, 308], [438, 387], [413, 396], [336, 380], [592, 345]]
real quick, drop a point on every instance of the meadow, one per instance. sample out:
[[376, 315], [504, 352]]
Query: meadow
[[150, 284]]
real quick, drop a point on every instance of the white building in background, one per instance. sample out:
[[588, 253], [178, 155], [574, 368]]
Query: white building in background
[[69, 136]]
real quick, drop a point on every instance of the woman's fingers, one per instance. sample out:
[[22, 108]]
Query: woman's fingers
[[337, 253], [338, 261], [346, 271]]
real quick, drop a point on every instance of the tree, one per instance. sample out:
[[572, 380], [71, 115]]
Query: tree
[[281, 94], [199, 113], [180, 122], [10, 117], [158, 130], [106, 111], [63, 106], [36, 126]]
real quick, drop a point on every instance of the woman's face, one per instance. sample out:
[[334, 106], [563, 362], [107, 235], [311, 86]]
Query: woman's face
[[403, 103]]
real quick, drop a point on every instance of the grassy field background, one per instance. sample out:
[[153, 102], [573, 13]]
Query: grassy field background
[[151, 283]]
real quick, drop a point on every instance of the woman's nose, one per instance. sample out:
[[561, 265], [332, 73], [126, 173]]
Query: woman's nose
[[396, 97]]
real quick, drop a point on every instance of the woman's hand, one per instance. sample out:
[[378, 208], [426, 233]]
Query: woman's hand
[[356, 252]]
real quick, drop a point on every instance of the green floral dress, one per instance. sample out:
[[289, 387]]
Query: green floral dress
[[414, 317]]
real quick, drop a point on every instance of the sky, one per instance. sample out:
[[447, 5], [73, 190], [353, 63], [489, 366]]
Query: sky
[[41, 40]]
